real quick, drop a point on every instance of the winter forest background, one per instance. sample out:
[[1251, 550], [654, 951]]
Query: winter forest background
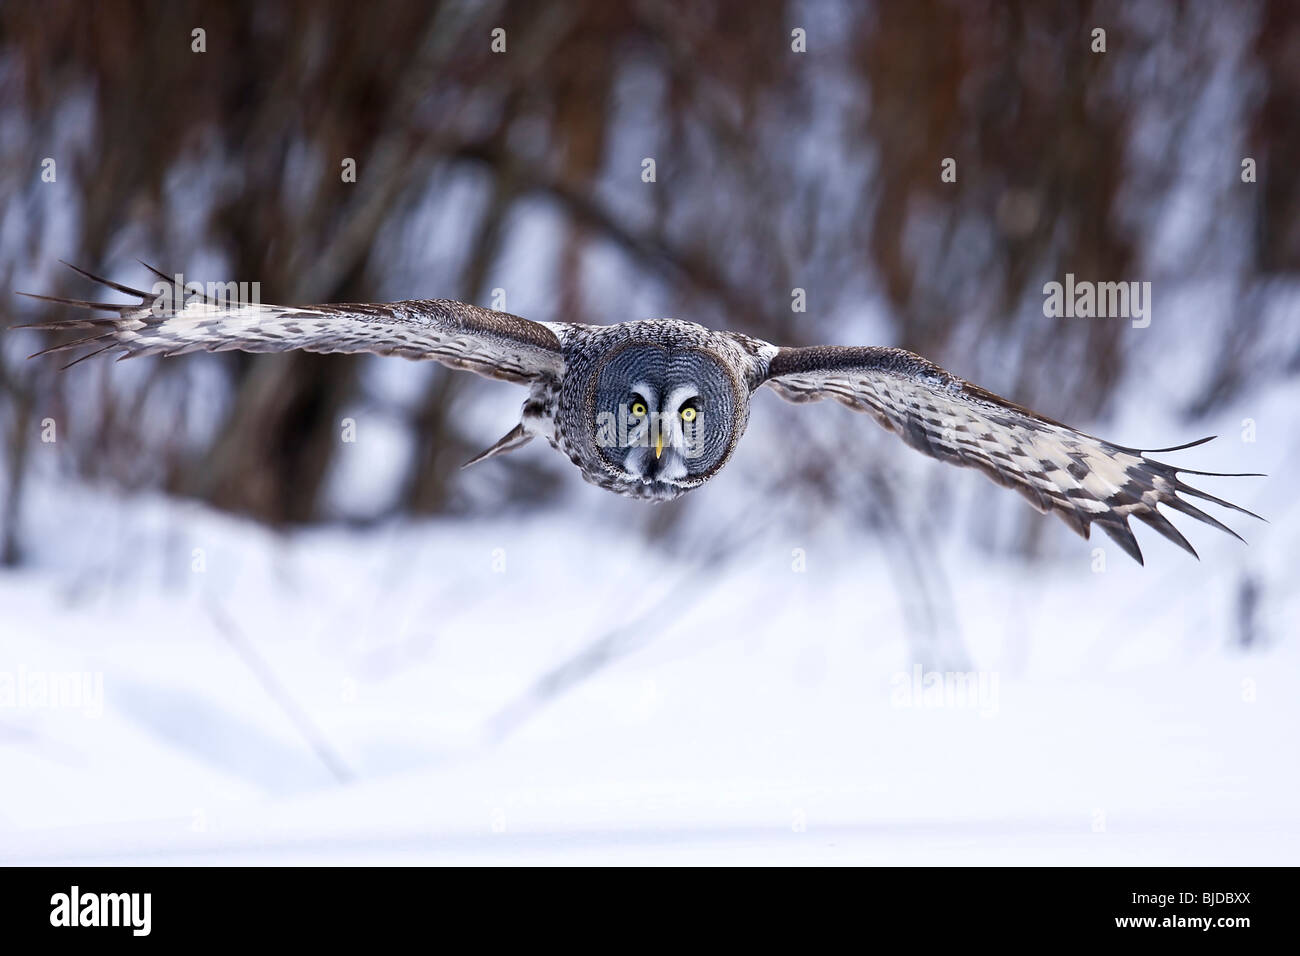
[[316, 649]]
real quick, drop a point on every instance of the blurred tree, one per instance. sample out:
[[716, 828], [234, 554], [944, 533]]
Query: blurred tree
[[776, 170]]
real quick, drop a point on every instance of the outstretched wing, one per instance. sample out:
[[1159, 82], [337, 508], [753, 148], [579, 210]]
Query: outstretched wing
[[1082, 479], [495, 344]]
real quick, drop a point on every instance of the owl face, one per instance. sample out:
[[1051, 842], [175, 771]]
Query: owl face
[[664, 419]]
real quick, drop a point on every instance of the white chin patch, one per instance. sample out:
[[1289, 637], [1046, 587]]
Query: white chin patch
[[641, 463], [672, 467]]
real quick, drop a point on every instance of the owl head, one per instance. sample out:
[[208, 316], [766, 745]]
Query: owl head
[[662, 419]]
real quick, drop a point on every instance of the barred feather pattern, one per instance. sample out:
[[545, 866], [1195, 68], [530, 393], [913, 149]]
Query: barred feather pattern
[[1082, 479], [494, 344]]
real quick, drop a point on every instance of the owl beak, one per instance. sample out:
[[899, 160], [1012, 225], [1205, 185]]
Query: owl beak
[[659, 445]]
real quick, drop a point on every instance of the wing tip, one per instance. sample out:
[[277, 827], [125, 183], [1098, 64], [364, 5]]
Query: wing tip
[[124, 289], [1190, 444]]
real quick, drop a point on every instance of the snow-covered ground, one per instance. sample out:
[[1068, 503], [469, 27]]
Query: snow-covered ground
[[547, 689]]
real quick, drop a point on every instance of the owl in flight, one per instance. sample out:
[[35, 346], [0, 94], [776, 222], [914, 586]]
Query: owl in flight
[[654, 408]]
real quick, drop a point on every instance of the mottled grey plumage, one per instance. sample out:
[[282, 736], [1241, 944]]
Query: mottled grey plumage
[[654, 408]]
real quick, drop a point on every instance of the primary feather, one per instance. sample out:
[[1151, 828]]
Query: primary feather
[[1082, 479], [495, 344]]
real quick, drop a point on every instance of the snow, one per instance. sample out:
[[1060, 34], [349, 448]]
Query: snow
[[379, 696]]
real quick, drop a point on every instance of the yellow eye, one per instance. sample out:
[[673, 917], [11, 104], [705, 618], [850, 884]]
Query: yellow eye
[[688, 414], [638, 409]]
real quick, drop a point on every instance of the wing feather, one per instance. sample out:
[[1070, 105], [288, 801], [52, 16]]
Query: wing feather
[[494, 344], [1082, 479]]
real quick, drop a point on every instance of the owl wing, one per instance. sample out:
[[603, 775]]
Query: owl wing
[[1083, 479], [494, 344]]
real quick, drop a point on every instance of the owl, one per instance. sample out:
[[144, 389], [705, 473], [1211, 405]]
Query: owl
[[654, 408]]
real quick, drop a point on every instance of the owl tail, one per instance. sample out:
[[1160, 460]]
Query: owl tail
[[515, 438]]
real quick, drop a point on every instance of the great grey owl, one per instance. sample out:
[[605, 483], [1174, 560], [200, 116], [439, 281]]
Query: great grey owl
[[654, 408]]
